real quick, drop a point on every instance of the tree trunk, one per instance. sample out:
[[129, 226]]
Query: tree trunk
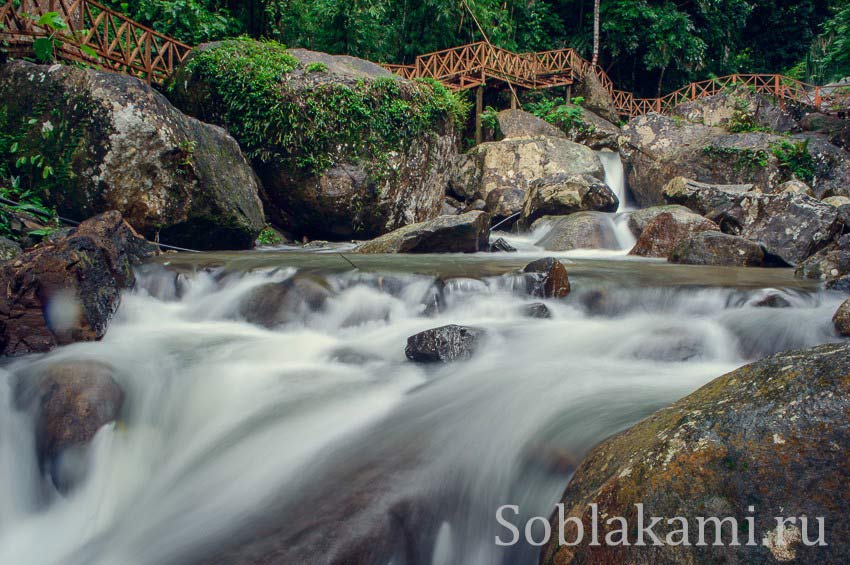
[[596, 32], [661, 80]]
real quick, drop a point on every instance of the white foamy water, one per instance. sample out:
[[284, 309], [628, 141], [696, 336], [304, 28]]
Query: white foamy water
[[299, 441], [615, 176]]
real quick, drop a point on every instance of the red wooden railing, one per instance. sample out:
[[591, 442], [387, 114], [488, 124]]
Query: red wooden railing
[[98, 35]]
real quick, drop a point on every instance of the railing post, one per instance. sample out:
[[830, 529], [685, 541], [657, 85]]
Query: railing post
[[817, 98], [479, 108]]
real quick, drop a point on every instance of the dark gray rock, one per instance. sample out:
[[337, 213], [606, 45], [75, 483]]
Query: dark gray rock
[[444, 344], [536, 310], [715, 248], [828, 263], [547, 278], [772, 300], [272, 304], [502, 246], [840, 284], [466, 233], [9, 249]]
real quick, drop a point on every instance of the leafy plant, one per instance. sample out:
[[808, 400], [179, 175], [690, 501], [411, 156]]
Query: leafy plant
[[795, 159], [317, 67], [745, 158], [269, 236], [556, 111]]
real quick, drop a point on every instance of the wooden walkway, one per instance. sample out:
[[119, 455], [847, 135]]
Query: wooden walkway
[[100, 36]]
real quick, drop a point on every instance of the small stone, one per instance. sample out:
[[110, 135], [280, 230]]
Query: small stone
[[841, 319], [547, 278], [444, 344], [501, 245], [536, 310]]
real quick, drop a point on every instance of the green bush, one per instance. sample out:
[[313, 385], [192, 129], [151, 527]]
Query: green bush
[[795, 159], [313, 128]]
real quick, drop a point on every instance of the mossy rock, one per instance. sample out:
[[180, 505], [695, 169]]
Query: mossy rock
[[106, 141], [773, 435], [344, 148]]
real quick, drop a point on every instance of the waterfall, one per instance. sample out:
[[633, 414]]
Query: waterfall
[[614, 175]]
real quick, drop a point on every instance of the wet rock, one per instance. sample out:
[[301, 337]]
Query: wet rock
[[830, 262], [536, 310], [715, 248], [547, 278], [73, 399], [770, 435], [511, 167], [582, 230], [128, 149], [9, 249], [504, 202], [67, 290], [639, 219], [772, 300], [561, 195], [451, 206], [666, 230], [600, 302], [517, 124], [366, 185], [840, 284], [467, 233], [273, 304], [502, 246], [444, 344], [841, 319]]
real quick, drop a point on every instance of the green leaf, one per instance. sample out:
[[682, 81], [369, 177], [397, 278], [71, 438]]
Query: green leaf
[[14, 148], [43, 47], [89, 51], [52, 21]]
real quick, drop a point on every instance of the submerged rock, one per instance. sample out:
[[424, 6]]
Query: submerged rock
[[661, 235], [272, 304], [115, 143], [444, 344], [769, 439], [561, 195], [547, 278], [715, 248], [466, 233], [76, 399], [772, 300], [67, 290], [536, 310], [582, 230]]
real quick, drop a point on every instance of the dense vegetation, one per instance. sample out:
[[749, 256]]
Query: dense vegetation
[[647, 45], [277, 121]]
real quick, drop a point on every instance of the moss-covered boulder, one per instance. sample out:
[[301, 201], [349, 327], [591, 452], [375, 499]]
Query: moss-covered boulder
[[89, 141], [344, 149], [770, 439]]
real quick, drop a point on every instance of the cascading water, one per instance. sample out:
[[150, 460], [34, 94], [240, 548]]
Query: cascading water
[[314, 439], [615, 176]]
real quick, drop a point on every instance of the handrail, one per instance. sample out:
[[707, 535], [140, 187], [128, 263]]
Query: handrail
[[123, 45], [119, 43]]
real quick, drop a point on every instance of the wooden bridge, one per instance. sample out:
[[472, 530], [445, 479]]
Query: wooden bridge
[[94, 34]]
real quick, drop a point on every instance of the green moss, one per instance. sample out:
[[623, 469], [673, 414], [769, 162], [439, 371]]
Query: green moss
[[316, 68], [312, 129], [742, 159], [269, 237]]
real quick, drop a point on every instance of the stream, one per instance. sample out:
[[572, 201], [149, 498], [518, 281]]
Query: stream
[[314, 439]]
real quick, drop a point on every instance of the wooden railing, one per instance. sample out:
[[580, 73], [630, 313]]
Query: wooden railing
[[95, 35], [471, 65], [98, 35]]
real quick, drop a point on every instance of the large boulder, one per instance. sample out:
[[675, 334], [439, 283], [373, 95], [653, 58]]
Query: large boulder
[[715, 248], [67, 289], [582, 230], [596, 96], [515, 164], [660, 148], [547, 278], [444, 344], [466, 233], [111, 142], [767, 440], [666, 230], [791, 226], [344, 148], [562, 194]]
